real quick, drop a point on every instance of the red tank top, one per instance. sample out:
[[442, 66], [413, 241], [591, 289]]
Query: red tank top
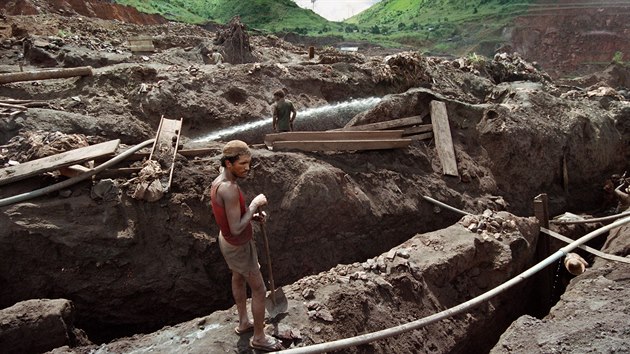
[[219, 215]]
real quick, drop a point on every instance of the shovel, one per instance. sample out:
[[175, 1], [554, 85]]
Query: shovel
[[276, 302]]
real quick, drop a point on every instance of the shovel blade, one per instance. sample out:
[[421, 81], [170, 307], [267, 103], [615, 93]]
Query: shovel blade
[[277, 303]]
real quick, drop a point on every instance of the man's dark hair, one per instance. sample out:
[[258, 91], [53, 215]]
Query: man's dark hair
[[232, 159], [279, 93]]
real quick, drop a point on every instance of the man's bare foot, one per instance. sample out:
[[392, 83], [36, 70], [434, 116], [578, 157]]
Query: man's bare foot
[[269, 344]]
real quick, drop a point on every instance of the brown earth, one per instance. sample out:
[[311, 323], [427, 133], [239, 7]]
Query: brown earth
[[130, 266], [572, 37]]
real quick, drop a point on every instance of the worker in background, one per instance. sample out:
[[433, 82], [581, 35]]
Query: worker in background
[[284, 113], [217, 58]]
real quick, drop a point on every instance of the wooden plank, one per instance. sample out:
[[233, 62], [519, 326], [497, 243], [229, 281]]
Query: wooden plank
[[443, 139], [50, 163], [418, 129], [165, 146], [332, 135], [389, 124], [341, 145], [422, 136], [45, 74]]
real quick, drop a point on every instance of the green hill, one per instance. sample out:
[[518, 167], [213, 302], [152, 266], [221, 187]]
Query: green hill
[[269, 15], [445, 26], [439, 26]]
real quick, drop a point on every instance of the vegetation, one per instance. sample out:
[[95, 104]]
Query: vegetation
[[618, 58], [440, 26]]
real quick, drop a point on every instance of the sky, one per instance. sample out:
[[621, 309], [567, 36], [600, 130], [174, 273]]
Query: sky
[[336, 10]]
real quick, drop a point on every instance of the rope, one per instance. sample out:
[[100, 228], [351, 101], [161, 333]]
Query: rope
[[55, 187], [610, 257], [586, 221], [446, 206]]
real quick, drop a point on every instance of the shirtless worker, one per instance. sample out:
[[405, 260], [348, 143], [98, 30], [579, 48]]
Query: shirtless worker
[[283, 113], [236, 242]]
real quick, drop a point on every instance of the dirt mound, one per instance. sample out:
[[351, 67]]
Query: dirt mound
[[104, 9]]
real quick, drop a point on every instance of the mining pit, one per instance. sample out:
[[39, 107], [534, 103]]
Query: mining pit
[[356, 244]]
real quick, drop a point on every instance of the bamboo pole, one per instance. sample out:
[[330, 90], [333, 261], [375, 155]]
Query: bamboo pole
[[45, 74]]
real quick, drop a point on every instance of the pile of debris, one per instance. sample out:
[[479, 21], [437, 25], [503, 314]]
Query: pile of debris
[[235, 42], [490, 225], [31, 145], [511, 67], [331, 55], [402, 68]]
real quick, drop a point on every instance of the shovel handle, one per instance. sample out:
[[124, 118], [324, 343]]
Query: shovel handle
[[268, 256]]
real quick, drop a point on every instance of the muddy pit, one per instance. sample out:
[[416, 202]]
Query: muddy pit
[[354, 243]]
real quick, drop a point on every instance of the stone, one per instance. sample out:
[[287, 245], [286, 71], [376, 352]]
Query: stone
[[308, 293]]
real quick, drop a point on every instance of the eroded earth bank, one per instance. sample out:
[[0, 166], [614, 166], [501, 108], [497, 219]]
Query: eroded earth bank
[[354, 243]]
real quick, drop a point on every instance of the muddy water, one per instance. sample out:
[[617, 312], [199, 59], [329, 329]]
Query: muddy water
[[319, 118]]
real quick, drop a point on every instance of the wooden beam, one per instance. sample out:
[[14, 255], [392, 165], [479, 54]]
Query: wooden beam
[[443, 139], [422, 136], [332, 135], [418, 129], [45, 74], [54, 162], [14, 106], [73, 171], [341, 145], [389, 124]]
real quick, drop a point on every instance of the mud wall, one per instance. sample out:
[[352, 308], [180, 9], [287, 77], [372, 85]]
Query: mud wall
[[567, 36], [91, 8]]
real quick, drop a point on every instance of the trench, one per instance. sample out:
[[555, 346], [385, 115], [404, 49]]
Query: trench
[[323, 118]]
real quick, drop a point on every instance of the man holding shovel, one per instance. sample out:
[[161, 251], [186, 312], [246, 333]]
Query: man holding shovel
[[236, 242]]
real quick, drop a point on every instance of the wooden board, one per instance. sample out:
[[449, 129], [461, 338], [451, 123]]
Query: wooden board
[[389, 124], [418, 129], [443, 139], [341, 145], [165, 147], [50, 163], [332, 135]]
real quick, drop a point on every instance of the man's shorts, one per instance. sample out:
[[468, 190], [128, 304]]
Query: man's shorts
[[240, 259]]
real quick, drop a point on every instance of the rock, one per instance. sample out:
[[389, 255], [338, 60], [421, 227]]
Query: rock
[[324, 314], [383, 283], [65, 193], [308, 293], [403, 253], [105, 189], [36, 326]]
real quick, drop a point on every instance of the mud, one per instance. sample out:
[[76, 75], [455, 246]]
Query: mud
[[132, 267]]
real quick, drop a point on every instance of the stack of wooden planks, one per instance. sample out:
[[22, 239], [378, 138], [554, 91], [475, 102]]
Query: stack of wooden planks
[[390, 134], [337, 140], [69, 159], [412, 127]]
